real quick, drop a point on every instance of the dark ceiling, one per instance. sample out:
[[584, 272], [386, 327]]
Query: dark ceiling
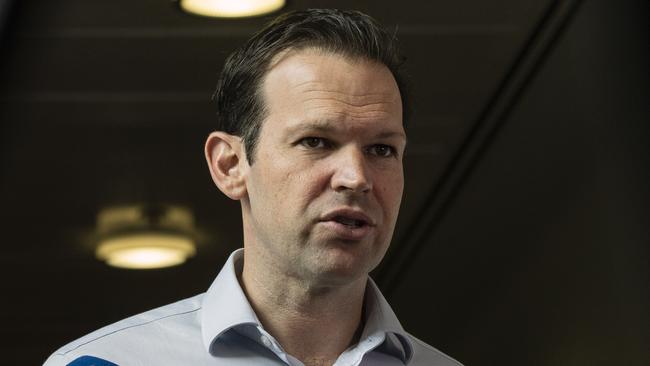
[[523, 233]]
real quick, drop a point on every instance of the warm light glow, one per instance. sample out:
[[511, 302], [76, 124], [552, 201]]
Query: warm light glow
[[231, 8], [145, 250]]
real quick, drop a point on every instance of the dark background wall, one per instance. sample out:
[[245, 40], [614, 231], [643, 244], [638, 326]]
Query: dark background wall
[[546, 245], [523, 237]]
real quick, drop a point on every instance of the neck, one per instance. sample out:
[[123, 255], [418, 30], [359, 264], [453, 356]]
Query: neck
[[300, 314]]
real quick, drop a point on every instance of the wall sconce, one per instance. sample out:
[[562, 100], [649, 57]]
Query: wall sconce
[[145, 237]]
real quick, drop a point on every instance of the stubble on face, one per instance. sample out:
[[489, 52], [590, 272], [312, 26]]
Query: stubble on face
[[353, 105]]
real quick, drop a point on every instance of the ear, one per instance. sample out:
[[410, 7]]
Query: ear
[[227, 163]]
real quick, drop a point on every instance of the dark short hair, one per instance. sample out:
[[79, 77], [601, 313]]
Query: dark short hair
[[239, 99]]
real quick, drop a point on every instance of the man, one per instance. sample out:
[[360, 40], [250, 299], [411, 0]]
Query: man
[[311, 141]]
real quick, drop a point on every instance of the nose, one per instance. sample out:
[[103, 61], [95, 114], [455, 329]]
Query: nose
[[351, 172]]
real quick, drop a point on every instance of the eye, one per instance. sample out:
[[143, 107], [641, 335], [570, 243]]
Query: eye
[[382, 150], [313, 142]]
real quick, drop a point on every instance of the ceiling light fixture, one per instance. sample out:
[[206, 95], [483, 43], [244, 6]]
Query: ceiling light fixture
[[231, 8], [145, 237]]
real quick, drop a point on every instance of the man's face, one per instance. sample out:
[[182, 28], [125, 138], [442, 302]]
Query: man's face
[[325, 187]]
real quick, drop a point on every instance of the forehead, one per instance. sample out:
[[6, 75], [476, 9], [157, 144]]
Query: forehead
[[315, 85]]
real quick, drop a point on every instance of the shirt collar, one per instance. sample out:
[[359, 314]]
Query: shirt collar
[[225, 306], [380, 317]]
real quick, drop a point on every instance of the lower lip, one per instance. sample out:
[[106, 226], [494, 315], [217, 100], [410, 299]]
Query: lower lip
[[346, 232]]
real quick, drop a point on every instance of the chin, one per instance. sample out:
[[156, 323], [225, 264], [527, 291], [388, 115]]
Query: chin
[[341, 267], [337, 278]]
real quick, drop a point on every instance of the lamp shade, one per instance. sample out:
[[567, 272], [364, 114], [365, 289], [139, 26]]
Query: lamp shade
[[139, 237], [231, 8]]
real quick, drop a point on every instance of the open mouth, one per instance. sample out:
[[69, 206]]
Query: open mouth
[[349, 222]]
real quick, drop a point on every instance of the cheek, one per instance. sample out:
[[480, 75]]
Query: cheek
[[390, 192], [294, 186], [308, 185]]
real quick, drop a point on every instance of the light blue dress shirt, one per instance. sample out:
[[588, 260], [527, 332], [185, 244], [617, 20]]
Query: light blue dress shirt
[[220, 328]]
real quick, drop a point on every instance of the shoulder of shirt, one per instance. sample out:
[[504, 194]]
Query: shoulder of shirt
[[181, 307], [425, 354]]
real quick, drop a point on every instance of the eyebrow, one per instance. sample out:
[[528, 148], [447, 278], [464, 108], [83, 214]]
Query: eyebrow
[[329, 126]]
